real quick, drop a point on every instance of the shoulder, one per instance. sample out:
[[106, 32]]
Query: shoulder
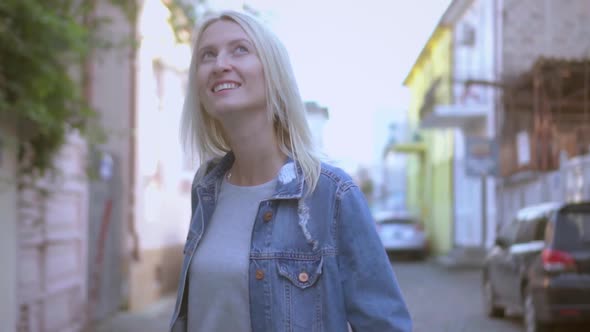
[[204, 169], [335, 177]]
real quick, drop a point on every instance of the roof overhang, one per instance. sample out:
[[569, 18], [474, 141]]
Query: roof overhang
[[449, 18]]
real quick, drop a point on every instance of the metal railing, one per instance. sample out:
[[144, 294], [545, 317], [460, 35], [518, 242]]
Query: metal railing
[[571, 183]]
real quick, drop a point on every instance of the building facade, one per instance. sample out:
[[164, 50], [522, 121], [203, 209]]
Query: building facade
[[430, 152], [162, 173], [543, 119], [86, 247], [518, 74], [448, 116], [317, 117]]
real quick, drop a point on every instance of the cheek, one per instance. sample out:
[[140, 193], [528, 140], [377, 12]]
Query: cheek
[[201, 81], [255, 70], [201, 90], [258, 75]]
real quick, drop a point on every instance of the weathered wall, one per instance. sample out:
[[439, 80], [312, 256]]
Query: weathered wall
[[549, 28]]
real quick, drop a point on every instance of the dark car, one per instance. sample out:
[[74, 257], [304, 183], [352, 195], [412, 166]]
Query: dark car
[[540, 265]]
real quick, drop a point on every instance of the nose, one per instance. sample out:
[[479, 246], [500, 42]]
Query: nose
[[222, 63]]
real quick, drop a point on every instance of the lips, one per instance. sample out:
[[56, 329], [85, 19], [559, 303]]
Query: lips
[[226, 85]]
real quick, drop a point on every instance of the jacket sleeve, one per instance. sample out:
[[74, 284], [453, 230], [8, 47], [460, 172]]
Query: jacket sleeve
[[372, 296]]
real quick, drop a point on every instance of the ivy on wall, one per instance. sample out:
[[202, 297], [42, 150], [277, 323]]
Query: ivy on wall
[[44, 45]]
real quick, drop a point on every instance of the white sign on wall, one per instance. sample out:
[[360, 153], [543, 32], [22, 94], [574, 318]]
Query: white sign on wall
[[481, 156], [523, 148]]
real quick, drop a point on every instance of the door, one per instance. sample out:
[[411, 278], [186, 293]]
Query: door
[[528, 243], [8, 200], [52, 220], [105, 277]]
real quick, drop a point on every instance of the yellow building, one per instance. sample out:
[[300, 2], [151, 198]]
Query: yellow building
[[430, 162]]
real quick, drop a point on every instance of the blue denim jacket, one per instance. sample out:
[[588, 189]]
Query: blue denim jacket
[[316, 261]]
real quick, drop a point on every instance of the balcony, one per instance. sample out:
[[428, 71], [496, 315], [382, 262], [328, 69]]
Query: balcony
[[456, 116]]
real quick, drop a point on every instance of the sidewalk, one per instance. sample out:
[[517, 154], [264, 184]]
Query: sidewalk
[[155, 318]]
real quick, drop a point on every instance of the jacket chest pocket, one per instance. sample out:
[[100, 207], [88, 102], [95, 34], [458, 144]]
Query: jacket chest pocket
[[301, 283]]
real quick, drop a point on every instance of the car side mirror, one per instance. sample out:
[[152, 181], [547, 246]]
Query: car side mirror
[[501, 242]]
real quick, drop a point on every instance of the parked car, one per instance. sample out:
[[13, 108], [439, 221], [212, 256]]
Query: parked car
[[540, 266], [401, 233]]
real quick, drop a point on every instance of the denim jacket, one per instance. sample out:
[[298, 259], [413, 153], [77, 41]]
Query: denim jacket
[[316, 262]]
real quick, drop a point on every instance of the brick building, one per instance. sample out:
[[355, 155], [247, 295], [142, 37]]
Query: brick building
[[545, 109]]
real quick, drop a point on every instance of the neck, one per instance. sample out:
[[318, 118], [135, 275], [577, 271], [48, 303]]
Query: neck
[[258, 157]]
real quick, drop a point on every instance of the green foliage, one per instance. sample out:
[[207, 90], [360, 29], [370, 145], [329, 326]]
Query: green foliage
[[367, 187], [43, 48], [182, 19]]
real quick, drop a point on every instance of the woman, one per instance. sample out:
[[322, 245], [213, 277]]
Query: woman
[[278, 241]]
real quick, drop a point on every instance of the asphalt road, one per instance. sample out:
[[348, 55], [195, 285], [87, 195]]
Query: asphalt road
[[439, 299], [446, 300]]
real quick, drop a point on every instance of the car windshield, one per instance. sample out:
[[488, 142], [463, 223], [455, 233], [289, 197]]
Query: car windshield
[[572, 230], [397, 221]]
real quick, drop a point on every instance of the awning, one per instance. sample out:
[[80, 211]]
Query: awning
[[409, 147]]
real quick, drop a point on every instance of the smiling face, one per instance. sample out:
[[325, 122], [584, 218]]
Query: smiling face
[[229, 73]]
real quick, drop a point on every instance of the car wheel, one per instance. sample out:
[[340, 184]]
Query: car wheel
[[531, 323], [490, 306]]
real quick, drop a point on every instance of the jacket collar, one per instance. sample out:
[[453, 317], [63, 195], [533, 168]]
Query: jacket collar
[[290, 179]]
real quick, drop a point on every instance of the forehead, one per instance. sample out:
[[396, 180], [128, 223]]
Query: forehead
[[222, 31]]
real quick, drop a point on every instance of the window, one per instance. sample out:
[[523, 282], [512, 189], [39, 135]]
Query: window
[[572, 230], [466, 34], [525, 232], [508, 232], [532, 230], [540, 227]]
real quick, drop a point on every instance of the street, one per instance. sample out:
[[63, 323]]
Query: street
[[155, 318], [446, 300], [439, 300]]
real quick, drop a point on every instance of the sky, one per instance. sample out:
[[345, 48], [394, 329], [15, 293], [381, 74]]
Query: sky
[[352, 57]]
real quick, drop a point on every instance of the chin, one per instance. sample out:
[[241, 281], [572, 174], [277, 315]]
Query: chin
[[223, 109]]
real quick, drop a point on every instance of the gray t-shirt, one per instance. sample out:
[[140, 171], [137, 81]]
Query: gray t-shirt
[[218, 297]]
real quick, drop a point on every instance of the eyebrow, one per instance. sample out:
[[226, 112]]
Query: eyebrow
[[231, 42]]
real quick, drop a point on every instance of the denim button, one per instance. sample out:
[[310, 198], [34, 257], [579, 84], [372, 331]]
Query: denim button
[[303, 277], [259, 274]]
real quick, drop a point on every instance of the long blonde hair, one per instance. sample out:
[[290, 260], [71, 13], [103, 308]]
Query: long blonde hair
[[203, 134]]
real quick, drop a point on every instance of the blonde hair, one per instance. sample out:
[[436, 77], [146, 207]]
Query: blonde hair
[[203, 134]]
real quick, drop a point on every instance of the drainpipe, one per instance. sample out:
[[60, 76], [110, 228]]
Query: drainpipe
[[87, 86], [133, 138], [498, 107]]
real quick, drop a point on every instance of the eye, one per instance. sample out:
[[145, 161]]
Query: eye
[[207, 55], [241, 49]]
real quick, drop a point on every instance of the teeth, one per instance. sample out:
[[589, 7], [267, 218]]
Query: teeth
[[225, 86]]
